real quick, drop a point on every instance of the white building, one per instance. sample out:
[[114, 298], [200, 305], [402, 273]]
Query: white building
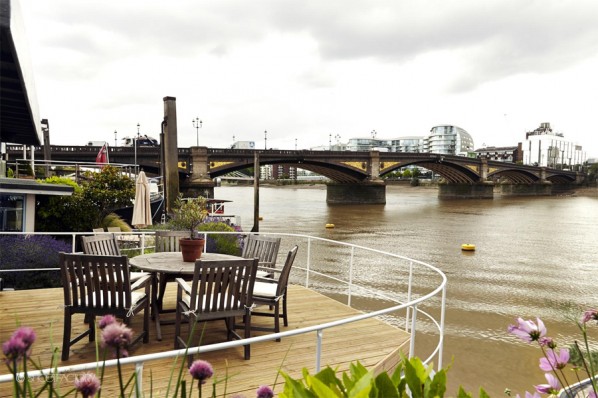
[[449, 140], [545, 148]]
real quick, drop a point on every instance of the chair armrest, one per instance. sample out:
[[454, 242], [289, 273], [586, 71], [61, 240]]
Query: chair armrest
[[183, 285], [142, 281]]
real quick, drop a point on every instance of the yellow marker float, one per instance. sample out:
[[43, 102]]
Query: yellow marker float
[[468, 247]]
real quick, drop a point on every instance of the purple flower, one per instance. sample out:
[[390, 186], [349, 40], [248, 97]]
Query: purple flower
[[117, 336], [528, 331], [554, 361], [87, 385], [19, 344], [264, 392], [106, 320], [547, 342], [201, 371], [551, 388], [589, 315]]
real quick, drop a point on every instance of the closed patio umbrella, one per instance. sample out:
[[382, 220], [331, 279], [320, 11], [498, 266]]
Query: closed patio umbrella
[[142, 211]]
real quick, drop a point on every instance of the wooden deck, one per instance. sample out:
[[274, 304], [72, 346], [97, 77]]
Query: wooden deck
[[375, 344]]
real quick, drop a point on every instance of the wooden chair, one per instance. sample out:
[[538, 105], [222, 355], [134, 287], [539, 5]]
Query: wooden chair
[[101, 245], [263, 247], [220, 290], [106, 245], [98, 230], [100, 285], [167, 241], [271, 291], [113, 229]]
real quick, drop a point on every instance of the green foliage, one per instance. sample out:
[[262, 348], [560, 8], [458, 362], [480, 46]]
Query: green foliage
[[221, 243], [411, 378], [188, 214], [114, 220], [10, 173], [96, 197]]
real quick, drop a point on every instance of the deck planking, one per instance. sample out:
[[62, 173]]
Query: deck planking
[[374, 343]]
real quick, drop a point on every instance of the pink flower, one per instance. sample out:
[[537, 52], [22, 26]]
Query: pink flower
[[201, 371], [547, 342], [551, 388], [19, 344], [589, 315], [117, 336], [106, 320], [554, 361], [87, 385], [265, 392], [528, 331]]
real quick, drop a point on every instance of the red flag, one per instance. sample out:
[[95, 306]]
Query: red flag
[[102, 157]]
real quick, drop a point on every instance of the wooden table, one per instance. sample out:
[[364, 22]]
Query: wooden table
[[169, 263]]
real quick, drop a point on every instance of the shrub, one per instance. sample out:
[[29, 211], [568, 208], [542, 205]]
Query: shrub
[[28, 252], [221, 243]]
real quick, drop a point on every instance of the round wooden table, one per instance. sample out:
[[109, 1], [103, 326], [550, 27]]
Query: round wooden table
[[169, 264], [172, 262]]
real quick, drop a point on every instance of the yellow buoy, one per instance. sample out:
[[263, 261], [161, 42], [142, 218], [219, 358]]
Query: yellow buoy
[[260, 218], [467, 247], [329, 225]]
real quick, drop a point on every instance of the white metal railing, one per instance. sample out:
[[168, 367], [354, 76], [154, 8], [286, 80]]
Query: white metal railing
[[311, 262]]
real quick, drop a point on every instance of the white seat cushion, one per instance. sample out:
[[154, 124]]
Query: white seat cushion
[[135, 298], [264, 289], [136, 275]]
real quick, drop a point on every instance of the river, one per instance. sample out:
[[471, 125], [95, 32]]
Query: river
[[535, 257]]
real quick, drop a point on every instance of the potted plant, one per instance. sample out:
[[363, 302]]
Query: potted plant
[[188, 213]]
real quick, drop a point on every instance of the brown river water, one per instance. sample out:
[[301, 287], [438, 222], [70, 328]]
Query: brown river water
[[535, 257]]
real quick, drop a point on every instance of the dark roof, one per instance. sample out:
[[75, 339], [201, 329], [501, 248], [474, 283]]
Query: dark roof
[[19, 185], [19, 116]]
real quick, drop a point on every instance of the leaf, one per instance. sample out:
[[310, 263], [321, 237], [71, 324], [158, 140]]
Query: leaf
[[463, 394], [437, 387], [362, 387], [385, 386]]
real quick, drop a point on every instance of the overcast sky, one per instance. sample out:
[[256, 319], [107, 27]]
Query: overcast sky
[[309, 70]]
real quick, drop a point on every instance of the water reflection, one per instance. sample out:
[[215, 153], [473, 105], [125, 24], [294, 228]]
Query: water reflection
[[534, 257]]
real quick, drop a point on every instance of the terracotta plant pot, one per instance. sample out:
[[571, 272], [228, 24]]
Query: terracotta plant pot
[[191, 249]]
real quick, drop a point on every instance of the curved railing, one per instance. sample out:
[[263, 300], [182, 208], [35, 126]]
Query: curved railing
[[407, 293]]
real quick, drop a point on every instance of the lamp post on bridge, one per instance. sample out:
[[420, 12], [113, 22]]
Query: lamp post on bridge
[[115, 141], [295, 143], [135, 146], [265, 139], [197, 124]]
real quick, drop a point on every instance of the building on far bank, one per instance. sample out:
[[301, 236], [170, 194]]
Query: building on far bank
[[449, 140], [509, 154], [545, 148]]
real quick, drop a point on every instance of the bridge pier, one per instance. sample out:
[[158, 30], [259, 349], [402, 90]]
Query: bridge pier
[[356, 194], [482, 190], [537, 189]]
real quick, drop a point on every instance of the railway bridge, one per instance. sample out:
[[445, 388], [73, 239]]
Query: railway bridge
[[356, 176]]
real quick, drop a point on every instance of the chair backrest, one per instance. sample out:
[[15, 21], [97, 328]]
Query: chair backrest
[[222, 288], [168, 241], [263, 247], [101, 245], [283, 279], [96, 282], [97, 230], [113, 229]]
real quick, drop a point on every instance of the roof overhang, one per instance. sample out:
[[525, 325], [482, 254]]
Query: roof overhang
[[19, 115], [22, 186]]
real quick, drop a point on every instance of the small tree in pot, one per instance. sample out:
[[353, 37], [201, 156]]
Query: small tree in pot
[[187, 215]]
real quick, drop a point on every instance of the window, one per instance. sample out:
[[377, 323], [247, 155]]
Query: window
[[11, 212]]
